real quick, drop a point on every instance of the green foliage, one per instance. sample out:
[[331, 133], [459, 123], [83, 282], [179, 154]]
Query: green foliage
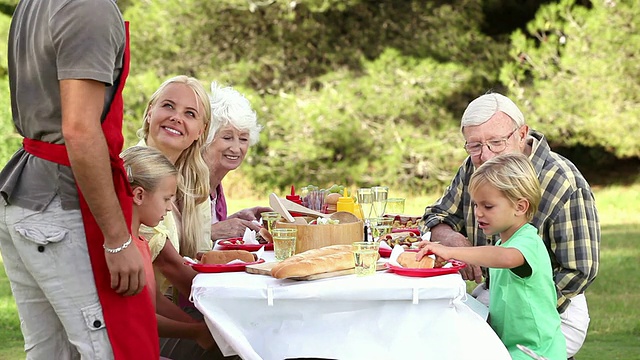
[[575, 74], [11, 140], [363, 93], [355, 92], [5, 22]]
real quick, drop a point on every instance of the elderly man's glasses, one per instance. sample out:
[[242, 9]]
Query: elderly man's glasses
[[495, 146]]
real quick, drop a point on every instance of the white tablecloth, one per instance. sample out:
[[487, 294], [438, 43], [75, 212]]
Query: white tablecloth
[[384, 316]]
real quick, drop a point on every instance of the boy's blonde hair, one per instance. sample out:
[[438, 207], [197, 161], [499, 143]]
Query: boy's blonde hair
[[194, 184], [146, 167], [514, 176]]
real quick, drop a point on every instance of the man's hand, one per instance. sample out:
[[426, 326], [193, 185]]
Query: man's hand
[[232, 228], [250, 214], [127, 271]]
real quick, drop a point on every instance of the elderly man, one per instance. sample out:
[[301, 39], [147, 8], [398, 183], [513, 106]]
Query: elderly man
[[566, 218]]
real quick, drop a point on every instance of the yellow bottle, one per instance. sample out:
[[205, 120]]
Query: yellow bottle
[[346, 203]]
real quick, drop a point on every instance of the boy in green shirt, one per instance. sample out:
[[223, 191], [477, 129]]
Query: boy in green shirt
[[506, 193]]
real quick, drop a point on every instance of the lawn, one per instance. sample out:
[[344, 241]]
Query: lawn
[[614, 298]]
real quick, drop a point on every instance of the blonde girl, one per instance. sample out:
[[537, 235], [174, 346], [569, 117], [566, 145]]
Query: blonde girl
[[154, 180]]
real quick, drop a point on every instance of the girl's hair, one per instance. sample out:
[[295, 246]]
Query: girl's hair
[[480, 110], [514, 176], [146, 167], [194, 172], [229, 107]]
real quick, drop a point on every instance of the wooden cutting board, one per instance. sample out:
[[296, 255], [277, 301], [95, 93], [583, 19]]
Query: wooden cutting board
[[265, 269]]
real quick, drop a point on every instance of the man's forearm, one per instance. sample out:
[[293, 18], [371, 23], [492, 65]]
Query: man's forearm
[[444, 234], [82, 104]]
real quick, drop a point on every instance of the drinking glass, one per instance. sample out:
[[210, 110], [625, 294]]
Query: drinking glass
[[379, 195], [270, 217], [284, 242], [380, 227], [395, 206], [365, 199], [365, 257]]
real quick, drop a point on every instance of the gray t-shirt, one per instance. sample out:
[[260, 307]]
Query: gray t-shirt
[[50, 41]]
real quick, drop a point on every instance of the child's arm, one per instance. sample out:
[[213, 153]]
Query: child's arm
[[197, 331], [486, 256], [168, 309], [172, 266], [175, 323]]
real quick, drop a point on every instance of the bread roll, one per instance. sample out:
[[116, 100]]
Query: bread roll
[[408, 259], [311, 254], [225, 256], [266, 235]]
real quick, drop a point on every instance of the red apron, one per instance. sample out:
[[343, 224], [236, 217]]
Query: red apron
[[130, 321]]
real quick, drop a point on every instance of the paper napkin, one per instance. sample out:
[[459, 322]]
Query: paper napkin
[[249, 237]]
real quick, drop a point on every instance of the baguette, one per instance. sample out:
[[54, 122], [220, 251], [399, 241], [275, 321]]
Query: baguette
[[225, 256], [408, 259], [327, 250], [316, 265]]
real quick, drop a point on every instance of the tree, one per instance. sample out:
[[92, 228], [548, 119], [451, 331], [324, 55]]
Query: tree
[[576, 74]]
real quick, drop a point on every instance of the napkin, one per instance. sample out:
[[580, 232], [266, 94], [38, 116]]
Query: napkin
[[189, 260], [384, 245], [249, 237]]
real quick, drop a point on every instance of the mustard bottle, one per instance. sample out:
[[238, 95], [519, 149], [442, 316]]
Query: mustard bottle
[[346, 203]]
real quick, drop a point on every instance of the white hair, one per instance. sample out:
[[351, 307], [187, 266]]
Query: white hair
[[484, 107], [229, 107]]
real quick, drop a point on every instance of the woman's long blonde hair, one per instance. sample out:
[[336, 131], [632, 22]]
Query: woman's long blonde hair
[[194, 172]]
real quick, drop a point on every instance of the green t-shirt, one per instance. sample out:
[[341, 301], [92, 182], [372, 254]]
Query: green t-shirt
[[523, 309]]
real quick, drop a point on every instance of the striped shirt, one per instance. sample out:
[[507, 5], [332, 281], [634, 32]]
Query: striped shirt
[[567, 219]]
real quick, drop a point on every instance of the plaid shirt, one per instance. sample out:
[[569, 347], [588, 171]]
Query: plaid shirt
[[567, 218]]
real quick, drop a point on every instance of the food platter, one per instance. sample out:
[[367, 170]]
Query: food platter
[[221, 268], [384, 252], [457, 265], [237, 244]]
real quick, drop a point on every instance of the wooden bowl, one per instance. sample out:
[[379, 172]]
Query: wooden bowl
[[317, 236]]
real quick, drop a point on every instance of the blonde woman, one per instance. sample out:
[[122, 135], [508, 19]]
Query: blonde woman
[[176, 122]]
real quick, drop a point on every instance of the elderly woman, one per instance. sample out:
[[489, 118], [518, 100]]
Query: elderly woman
[[234, 128]]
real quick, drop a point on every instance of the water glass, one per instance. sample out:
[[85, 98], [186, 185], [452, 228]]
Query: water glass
[[270, 218], [365, 199], [381, 226], [395, 206], [379, 195], [365, 257], [284, 242]]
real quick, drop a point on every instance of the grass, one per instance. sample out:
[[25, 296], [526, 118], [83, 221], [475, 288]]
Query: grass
[[614, 297]]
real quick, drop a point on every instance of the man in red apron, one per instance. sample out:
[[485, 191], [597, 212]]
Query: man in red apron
[[64, 229]]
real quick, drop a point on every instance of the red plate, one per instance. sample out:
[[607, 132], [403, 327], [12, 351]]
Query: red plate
[[457, 265], [220, 268], [232, 244], [413, 230]]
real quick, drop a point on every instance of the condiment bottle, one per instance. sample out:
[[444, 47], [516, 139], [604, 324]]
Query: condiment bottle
[[296, 199], [346, 203]]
